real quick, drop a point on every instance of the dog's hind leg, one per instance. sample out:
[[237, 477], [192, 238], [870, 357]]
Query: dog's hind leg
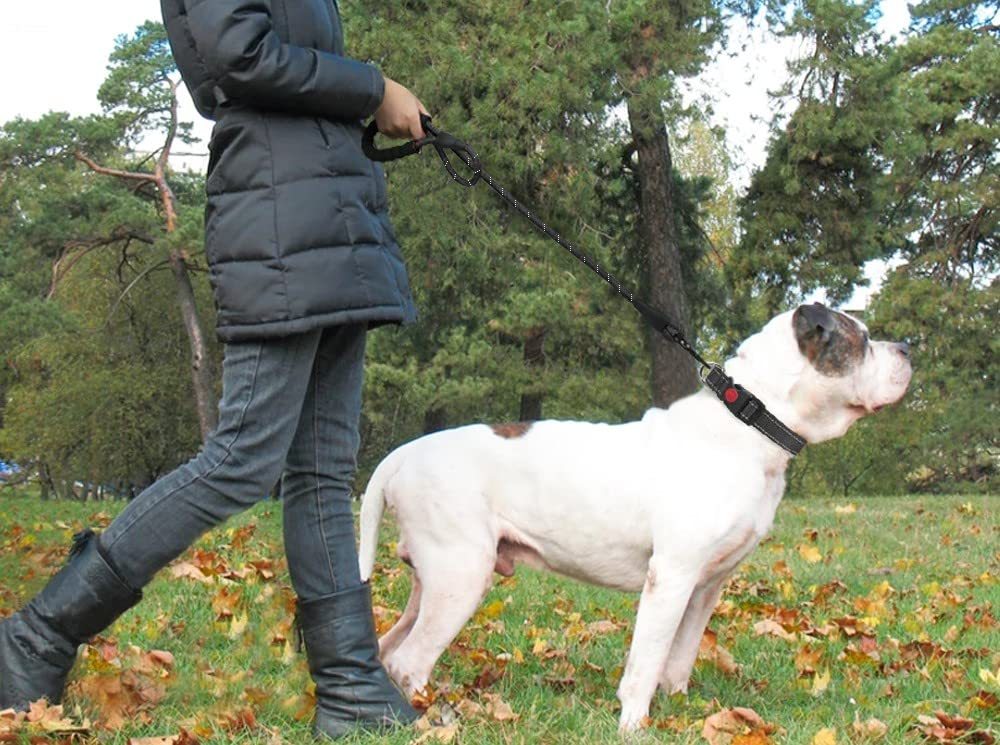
[[395, 636], [448, 598]]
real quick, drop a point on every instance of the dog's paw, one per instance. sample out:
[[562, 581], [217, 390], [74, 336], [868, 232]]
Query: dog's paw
[[672, 687], [633, 719]]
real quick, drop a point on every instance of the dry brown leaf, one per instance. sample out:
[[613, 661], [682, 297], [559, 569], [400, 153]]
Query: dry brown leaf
[[737, 726], [443, 734], [807, 659], [870, 728], [947, 728], [121, 698], [499, 709], [773, 628], [187, 570], [469, 709], [49, 719], [604, 626], [709, 650]]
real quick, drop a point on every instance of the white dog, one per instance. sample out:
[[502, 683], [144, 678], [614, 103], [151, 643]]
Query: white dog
[[668, 505]]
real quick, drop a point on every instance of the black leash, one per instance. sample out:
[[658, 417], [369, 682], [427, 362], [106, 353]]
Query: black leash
[[744, 405]]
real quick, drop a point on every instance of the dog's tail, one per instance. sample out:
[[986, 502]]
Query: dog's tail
[[372, 506]]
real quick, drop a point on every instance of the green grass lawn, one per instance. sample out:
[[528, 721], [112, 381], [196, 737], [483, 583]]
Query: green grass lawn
[[887, 611]]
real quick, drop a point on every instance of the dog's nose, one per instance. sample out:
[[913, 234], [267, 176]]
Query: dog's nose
[[903, 348]]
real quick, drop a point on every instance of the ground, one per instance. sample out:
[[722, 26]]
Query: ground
[[881, 609]]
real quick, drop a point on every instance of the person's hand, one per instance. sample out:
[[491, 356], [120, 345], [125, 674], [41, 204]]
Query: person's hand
[[399, 114]]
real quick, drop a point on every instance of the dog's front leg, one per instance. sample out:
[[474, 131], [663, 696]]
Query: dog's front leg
[[661, 608], [684, 650]]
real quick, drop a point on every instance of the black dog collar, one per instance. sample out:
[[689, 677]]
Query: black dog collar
[[751, 410]]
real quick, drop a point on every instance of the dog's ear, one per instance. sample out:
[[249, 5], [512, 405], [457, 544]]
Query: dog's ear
[[816, 316], [814, 325]]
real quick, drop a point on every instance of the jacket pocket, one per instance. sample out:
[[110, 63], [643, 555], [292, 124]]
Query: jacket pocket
[[322, 132]]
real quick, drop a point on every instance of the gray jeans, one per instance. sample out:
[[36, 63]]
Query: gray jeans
[[290, 408]]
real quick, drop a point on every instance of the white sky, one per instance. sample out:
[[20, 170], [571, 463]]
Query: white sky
[[54, 55]]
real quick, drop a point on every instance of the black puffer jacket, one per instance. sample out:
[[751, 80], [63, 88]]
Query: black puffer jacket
[[297, 232]]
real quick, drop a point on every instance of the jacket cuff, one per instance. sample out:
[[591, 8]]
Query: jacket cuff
[[377, 91]]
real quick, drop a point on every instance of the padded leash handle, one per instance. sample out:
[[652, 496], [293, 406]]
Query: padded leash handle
[[383, 155], [442, 142]]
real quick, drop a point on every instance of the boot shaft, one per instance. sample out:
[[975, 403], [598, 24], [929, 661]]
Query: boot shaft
[[87, 594], [38, 643]]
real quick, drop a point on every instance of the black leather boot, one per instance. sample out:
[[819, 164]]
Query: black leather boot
[[353, 690], [38, 643]]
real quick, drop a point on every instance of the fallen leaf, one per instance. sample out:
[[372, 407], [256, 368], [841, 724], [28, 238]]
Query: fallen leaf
[[714, 653], [493, 610], [188, 570], [238, 626], [871, 728], [820, 683], [499, 709], [773, 628], [810, 553], [735, 726], [438, 734], [825, 736], [604, 626]]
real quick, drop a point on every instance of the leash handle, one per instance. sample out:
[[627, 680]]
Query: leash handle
[[383, 155], [442, 142]]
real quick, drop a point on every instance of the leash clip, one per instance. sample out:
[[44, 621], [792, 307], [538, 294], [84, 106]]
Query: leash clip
[[707, 369]]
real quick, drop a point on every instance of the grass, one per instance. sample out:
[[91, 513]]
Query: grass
[[920, 585]]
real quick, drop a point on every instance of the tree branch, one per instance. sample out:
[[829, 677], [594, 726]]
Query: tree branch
[[130, 175]]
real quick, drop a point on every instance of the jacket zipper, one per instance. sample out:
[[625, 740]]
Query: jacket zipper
[[322, 132]]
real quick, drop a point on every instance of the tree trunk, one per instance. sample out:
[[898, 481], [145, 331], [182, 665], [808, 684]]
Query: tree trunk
[[45, 482], [674, 372], [534, 356], [201, 370], [434, 419]]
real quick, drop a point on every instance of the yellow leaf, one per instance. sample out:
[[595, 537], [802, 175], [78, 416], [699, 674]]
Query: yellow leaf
[[825, 736], [820, 683], [238, 625], [810, 553], [990, 678], [846, 509], [494, 609]]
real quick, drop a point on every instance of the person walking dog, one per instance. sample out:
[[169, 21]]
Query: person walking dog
[[302, 262]]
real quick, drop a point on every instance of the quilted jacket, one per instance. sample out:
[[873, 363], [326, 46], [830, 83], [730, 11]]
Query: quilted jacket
[[297, 232]]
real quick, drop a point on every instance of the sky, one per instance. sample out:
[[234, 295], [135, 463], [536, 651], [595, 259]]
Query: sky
[[54, 56]]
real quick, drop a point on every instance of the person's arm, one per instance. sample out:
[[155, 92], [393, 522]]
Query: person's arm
[[238, 45]]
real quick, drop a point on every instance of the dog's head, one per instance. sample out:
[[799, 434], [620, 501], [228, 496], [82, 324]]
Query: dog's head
[[819, 370]]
